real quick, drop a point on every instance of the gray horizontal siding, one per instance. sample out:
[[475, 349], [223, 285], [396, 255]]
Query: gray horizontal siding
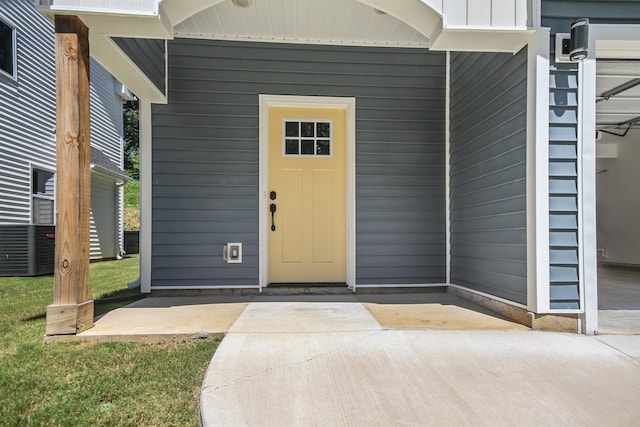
[[559, 14], [488, 173], [149, 56], [205, 156]]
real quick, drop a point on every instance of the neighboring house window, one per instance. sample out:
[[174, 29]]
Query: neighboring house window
[[7, 48], [43, 196]]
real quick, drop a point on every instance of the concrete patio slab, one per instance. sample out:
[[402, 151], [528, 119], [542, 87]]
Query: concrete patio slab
[[163, 316], [629, 345], [158, 318], [390, 377], [299, 314], [433, 311]]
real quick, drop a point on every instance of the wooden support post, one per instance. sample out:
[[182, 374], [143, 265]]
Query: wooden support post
[[72, 311]]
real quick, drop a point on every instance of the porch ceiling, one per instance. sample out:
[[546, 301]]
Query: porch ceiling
[[303, 21]]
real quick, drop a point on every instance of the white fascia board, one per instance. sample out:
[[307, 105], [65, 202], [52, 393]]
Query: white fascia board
[[150, 27], [75, 7], [538, 172], [118, 22], [469, 39]]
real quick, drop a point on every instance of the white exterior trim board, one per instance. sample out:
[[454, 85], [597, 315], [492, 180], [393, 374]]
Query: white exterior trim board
[[538, 286], [145, 195]]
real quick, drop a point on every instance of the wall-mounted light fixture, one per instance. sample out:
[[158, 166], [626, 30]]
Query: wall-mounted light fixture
[[579, 44]]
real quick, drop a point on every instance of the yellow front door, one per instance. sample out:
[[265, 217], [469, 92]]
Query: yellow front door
[[307, 200]]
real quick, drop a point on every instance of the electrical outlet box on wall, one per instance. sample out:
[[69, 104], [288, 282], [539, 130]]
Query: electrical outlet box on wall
[[232, 253]]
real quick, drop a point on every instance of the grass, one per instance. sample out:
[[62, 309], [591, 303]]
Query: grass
[[132, 206], [132, 194], [79, 383]]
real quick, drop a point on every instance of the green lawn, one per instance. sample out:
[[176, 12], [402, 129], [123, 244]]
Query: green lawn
[[87, 384]]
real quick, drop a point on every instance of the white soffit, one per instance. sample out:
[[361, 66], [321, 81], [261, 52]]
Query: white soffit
[[348, 22]]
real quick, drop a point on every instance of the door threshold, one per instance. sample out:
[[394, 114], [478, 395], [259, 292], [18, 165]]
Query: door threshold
[[306, 285]]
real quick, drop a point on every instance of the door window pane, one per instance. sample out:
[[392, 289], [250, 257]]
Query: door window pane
[[291, 147], [323, 130], [323, 148], [292, 129], [307, 138], [307, 129], [307, 146]]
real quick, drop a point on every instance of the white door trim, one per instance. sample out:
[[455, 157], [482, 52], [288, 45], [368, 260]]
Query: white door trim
[[347, 104]]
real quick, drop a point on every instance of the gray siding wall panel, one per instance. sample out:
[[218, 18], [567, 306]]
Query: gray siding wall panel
[[149, 56], [488, 173], [205, 156], [559, 14]]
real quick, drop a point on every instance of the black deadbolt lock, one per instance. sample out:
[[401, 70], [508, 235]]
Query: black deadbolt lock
[[272, 195]]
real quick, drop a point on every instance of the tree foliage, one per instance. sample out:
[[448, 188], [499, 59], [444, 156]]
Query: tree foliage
[[130, 113]]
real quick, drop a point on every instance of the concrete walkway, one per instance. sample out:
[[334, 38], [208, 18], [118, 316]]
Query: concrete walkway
[[349, 362]]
